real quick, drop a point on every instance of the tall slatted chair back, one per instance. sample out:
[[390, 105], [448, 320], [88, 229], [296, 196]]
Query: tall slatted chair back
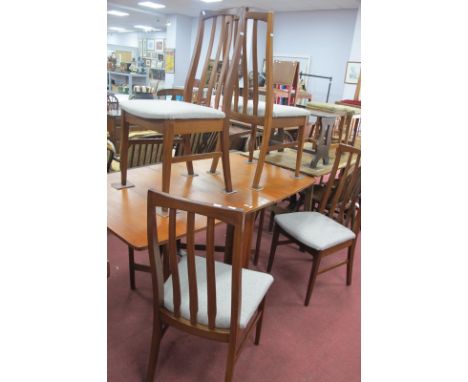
[[242, 96], [211, 57], [343, 190], [234, 217]]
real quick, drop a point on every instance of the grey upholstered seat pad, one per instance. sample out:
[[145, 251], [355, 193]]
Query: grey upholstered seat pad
[[279, 111], [314, 229], [254, 287], [163, 109]]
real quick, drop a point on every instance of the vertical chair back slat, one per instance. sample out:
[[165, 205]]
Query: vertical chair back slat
[[191, 269], [214, 71], [202, 84], [255, 67], [192, 73], [210, 274], [225, 58], [245, 70], [173, 263]]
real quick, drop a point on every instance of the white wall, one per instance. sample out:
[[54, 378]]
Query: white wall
[[129, 41], [354, 55], [325, 37], [183, 50]]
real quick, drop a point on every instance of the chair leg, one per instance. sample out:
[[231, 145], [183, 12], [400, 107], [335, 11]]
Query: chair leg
[[131, 267], [154, 352], [349, 267], [300, 148], [259, 236], [188, 151], [231, 360], [272, 221], [274, 243], [313, 276], [258, 329], [261, 156], [214, 163], [224, 137], [252, 142], [167, 159]]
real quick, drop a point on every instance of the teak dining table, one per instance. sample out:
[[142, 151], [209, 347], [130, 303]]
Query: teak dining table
[[126, 209]]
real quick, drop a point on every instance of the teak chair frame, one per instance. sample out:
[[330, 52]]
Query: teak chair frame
[[160, 269], [251, 92], [186, 127], [341, 202]]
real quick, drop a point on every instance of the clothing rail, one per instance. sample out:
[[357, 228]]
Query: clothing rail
[[301, 74]]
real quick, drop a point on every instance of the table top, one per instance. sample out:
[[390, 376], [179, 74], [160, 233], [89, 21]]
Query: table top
[[126, 208], [330, 110]]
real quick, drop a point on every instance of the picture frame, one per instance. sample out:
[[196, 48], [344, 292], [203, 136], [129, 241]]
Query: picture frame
[[159, 45], [170, 60], [353, 70], [150, 44]]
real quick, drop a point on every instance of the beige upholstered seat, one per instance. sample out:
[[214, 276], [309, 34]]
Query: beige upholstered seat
[[254, 287], [279, 111], [163, 109], [314, 229]]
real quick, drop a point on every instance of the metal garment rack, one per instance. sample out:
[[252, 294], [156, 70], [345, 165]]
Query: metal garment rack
[[317, 76]]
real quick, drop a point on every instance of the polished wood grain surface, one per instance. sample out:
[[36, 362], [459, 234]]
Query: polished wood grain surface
[[126, 209]]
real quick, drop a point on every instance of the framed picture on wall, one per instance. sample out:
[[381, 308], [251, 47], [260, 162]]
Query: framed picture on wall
[[170, 60], [150, 44], [159, 45], [353, 69]]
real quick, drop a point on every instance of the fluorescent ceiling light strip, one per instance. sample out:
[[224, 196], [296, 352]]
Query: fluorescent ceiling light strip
[[117, 13], [146, 28], [117, 29], [211, 1], [150, 4]]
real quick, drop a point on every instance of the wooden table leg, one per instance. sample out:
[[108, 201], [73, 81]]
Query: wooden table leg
[[131, 266]]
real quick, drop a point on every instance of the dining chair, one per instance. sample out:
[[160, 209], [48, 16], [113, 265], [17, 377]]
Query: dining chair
[[285, 80], [333, 227], [196, 114], [246, 106], [199, 295]]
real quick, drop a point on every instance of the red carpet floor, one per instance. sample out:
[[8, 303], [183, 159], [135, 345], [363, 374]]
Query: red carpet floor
[[318, 343]]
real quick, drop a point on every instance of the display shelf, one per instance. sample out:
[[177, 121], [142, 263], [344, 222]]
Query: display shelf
[[128, 78]]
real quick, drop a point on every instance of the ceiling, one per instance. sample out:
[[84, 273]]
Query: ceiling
[[139, 15]]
